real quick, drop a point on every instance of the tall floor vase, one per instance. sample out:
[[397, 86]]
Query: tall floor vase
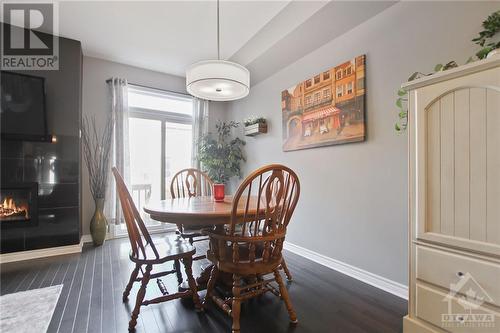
[[98, 224]]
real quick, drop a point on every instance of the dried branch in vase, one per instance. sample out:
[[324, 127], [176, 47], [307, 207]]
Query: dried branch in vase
[[96, 151]]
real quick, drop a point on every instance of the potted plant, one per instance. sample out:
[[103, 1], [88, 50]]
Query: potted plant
[[96, 151], [255, 126], [486, 37], [220, 156], [490, 45]]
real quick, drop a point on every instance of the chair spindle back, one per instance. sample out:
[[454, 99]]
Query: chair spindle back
[[190, 183], [262, 208], [137, 232]]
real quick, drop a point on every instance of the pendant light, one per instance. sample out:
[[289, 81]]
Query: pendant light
[[218, 80]]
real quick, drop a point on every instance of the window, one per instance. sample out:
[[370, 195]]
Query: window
[[326, 93], [361, 83], [348, 70], [338, 74], [349, 88], [339, 91], [326, 75], [160, 139], [317, 97], [316, 79], [308, 100], [308, 83]]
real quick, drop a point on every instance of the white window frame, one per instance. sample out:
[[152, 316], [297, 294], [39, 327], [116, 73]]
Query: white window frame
[[340, 91], [308, 100], [317, 97], [349, 88], [326, 93], [164, 117]]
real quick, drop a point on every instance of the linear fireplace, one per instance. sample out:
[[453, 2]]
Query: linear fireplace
[[40, 180], [18, 205]]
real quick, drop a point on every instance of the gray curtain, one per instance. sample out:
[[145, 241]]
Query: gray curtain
[[120, 150], [200, 128]]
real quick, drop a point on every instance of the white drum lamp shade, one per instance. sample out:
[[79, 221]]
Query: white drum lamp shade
[[218, 80]]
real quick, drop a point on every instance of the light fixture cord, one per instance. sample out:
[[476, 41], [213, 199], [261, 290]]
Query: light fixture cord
[[218, 32]]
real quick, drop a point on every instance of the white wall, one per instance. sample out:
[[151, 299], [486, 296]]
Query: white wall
[[353, 205], [96, 102]]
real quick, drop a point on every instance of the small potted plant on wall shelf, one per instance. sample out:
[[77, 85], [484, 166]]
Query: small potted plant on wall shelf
[[255, 126], [220, 156]]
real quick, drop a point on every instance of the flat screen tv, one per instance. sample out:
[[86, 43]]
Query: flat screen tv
[[22, 107]]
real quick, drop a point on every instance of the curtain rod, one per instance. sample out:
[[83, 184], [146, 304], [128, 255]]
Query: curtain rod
[[154, 88]]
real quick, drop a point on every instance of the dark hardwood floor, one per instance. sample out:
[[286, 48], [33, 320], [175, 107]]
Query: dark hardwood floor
[[325, 300]]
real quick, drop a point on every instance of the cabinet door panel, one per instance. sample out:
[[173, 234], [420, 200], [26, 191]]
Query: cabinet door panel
[[458, 163]]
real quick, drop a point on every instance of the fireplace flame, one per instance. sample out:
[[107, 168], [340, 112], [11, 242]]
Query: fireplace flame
[[9, 208]]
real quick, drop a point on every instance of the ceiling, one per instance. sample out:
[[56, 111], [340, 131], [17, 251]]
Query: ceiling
[[167, 36], [324, 22]]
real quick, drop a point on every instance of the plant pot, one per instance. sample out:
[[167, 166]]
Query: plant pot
[[98, 224], [218, 191]]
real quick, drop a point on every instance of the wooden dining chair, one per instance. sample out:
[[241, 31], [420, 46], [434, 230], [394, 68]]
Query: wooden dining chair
[[189, 183], [250, 247], [145, 254]]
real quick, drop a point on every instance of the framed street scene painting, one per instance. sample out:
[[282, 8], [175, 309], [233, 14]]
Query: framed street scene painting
[[327, 109]]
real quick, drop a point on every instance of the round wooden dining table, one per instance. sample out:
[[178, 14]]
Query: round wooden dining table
[[199, 211]]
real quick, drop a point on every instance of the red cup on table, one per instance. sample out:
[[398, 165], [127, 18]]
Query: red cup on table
[[218, 191]]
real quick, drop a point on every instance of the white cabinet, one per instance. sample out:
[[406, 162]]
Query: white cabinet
[[454, 200]]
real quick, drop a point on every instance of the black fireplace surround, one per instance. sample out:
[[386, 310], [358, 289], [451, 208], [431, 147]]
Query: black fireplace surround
[[44, 177]]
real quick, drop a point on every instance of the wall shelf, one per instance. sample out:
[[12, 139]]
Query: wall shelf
[[255, 129]]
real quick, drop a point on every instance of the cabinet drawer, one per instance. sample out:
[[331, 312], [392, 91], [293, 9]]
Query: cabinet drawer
[[453, 314], [444, 268]]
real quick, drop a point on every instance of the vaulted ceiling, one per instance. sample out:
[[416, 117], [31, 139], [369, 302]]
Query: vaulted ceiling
[[168, 36]]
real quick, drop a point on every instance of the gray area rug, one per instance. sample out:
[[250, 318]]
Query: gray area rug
[[28, 311]]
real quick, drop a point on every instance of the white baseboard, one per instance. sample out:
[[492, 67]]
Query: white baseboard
[[380, 282], [41, 253], [111, 235]]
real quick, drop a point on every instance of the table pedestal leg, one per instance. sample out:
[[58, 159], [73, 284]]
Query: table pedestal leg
[[201, 281], [224, 281]]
